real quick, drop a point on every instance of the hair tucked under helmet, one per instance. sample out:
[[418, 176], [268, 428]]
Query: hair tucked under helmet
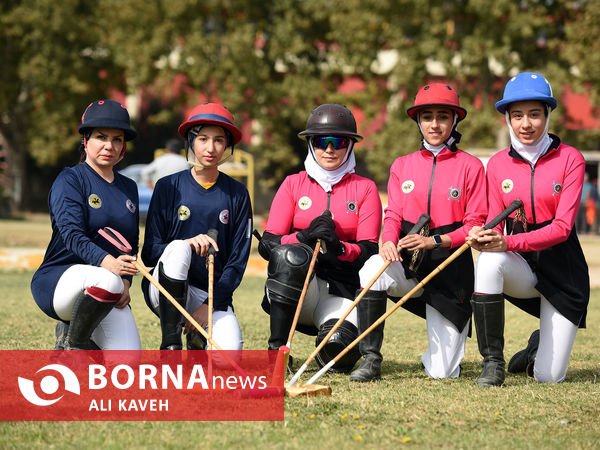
[[106, 114]]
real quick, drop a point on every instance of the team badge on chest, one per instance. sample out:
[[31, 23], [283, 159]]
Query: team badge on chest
[[130, 206], [507, 186], [304, 203], [94, 201], [351, 207], [183, 213], [224, 216], [408, 186], [454, 193], [556, 188]]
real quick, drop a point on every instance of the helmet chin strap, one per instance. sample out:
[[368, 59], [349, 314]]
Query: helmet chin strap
[[201, 166]]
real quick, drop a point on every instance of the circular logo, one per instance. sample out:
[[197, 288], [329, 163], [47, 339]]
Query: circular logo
[[557, 188], [454, 193], [408, 186], [49, 385], [183, 213], [224, 216], [130, 206], [351, 206], [304, 203], [94, 201], [507, 186]]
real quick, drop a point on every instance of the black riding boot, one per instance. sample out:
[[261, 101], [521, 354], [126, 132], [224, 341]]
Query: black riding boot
[[488, 311], [281, 318], [370, 308], [522, 361], [87, 315], [170, 317]]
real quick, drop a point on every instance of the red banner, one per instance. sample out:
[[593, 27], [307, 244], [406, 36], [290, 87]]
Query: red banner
[[141, 385]]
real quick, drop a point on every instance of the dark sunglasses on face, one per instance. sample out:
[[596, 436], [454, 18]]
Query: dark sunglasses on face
[[335, 141]]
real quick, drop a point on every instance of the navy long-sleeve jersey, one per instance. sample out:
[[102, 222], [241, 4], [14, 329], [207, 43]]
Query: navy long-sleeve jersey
[[180, 209], [81, 202]]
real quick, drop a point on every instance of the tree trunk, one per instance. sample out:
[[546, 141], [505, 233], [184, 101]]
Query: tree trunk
[[13, 179]]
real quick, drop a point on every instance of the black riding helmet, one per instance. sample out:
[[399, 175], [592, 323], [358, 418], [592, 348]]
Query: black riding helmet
[[331, 119]]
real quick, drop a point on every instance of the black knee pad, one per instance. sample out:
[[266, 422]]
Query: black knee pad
[[343, 336], [287, 271]]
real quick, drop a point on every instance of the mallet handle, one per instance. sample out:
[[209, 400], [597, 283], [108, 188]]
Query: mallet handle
[[516, 204], [423, 220], [185, 314], [311, 267]]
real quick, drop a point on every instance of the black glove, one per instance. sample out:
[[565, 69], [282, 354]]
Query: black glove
[[321, 227]]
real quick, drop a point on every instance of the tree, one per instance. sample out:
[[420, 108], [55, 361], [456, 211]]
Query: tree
[[51, 66]]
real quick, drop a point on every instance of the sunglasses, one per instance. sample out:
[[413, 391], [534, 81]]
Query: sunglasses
[[335, 141]]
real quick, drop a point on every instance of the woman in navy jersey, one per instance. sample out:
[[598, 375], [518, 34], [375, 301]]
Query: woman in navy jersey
[[83, 282], [449, 185], [326, 201], [538, 264], [184, 207]]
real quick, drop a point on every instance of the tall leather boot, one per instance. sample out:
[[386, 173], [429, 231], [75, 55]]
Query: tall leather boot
[[522, 361], [87, 315], [369, 309], [281, 317], [170, 317], [488, 311]]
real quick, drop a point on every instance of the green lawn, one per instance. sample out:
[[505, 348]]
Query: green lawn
[[404, 409]]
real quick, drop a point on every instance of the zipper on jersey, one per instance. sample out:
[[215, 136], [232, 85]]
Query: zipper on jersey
[[532, 202], [328, 199], [431, 185]]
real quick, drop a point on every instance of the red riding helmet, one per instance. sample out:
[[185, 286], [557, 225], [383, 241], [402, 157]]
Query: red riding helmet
[[437, 94], [211, 114]]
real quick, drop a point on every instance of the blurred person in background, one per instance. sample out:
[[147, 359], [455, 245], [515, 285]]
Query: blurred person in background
[[170, 162]]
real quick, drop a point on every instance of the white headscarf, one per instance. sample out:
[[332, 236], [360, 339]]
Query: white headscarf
[[535, 151], [328, 178]]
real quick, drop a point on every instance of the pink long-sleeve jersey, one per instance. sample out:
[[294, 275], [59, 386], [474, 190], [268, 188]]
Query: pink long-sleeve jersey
[[354, 203], [450, 187]]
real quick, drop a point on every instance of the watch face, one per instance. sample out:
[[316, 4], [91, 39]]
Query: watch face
[[437, 239]]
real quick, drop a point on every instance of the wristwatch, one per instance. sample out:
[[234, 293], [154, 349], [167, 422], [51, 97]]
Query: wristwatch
[[437, 240]]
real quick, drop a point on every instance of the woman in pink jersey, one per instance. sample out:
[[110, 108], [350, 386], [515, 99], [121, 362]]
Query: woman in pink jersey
[[449, 185], [326, 201], [538, 264]]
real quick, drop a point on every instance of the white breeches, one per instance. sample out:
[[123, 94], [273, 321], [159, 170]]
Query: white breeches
[[176, 263], [319, 305], [118, 330], [446, 347], [509, 273]]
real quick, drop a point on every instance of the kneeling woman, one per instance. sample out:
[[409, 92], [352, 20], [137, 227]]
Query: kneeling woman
[[327, 201], [449, 185], [184, 207], [83, 282], [538, 265]]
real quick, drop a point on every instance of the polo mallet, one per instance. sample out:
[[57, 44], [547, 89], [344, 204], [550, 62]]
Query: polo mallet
[[423, 220], [116, 239], [516, 204], [210, 262]]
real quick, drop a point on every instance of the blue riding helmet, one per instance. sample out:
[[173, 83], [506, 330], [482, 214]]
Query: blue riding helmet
[[526, 86]]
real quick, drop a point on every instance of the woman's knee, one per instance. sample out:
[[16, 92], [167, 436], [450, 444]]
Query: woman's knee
[[109, 282]]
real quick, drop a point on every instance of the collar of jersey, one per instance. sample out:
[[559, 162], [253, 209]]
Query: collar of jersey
[[555, 144]]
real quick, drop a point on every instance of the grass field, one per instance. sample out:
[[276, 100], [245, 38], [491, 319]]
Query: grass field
[[405, 409]]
